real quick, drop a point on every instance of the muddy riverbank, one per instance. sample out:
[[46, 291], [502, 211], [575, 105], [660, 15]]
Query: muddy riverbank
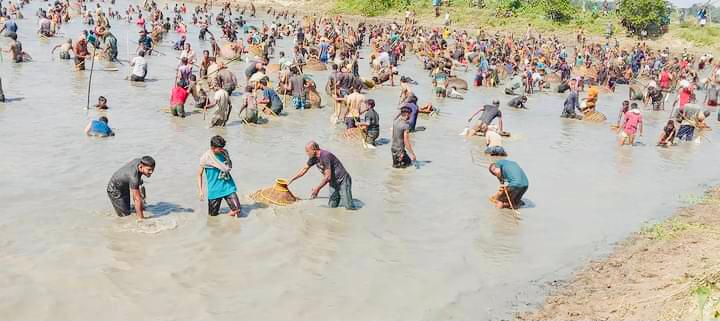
[[656, 274]]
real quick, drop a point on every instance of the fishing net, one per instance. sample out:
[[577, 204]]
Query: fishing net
[[278, 194]]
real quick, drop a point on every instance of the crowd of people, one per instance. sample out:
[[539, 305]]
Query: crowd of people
[[522, 64]]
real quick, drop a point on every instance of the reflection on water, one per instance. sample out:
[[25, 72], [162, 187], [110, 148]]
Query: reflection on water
[[426, 243]]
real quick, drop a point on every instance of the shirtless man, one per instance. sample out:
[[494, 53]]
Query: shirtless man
[[352, 114], [65, 49]]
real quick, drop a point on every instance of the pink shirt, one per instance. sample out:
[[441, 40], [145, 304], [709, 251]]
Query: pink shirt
[[632, 121], [179, 95]]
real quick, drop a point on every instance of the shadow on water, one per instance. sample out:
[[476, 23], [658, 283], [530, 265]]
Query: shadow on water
[[165, 208], [10, 100], [246, 209], [357, 204]]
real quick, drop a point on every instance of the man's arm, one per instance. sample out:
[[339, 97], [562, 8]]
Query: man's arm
[[200, 183], [475, 114], [137, 199], [323, 182], [408, 144], [299, 174]]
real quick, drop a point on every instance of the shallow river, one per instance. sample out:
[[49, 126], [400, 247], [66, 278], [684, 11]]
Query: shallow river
[[426, 244]]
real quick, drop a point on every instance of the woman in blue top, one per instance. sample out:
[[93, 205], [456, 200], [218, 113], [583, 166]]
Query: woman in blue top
[[216, 166], [99, 128]]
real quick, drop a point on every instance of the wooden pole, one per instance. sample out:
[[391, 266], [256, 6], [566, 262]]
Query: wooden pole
[[92, 66]]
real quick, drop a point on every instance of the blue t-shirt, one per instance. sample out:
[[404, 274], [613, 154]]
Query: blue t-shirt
[[324, 50], [100, 128], [11, 26], [512, 173], [413, 115], [217, 187]]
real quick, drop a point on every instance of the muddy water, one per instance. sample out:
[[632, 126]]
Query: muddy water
[[425, 245]]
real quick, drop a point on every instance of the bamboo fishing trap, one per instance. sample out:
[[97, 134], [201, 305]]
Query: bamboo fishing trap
[[278, 194]]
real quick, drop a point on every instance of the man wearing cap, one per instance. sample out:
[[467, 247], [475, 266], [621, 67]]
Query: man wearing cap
[[489, 113], [334, 174], [127, 182], [401, 145]]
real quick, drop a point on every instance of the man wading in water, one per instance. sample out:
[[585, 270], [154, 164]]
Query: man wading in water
[[514, 184], [222, 112], [401, 140], [126, 182], [334, 173], [139, 65], [216, 166]]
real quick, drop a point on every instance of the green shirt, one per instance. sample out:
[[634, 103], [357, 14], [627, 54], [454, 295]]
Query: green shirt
[[512, 173]]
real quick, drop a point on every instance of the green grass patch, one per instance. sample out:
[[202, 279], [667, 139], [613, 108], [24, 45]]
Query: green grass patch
[[668, 230], [693, 33]]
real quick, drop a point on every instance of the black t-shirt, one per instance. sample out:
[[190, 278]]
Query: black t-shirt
[[251, 70], [490, 113], [126, 178], [327, 160], [515, 102], [373, 120]]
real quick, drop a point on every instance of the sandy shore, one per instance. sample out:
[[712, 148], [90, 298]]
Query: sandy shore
[[655, 274]]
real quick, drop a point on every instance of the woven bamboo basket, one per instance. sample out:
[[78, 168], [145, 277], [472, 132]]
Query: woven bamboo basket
[[278, 194]]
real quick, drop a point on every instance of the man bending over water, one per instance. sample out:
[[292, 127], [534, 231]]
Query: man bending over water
[[99, 128], [514, 183], [127, 182], [334, 174]]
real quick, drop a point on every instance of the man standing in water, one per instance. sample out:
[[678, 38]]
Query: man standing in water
[[352, 114], [139, 67], [222, 112], [81, 51], [127, 182], [216, 166], [571, 102], [334, 173], [16, 50], [514, 183], [401, 140]]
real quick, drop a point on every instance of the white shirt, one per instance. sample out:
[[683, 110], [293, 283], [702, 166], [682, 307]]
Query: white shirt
[[493, 139], [139, 64]]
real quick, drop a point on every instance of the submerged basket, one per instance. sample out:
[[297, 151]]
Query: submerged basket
[[594, 116], [278, 194]]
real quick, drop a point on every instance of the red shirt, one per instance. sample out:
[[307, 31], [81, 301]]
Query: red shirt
[[684, 97], [179, 95]]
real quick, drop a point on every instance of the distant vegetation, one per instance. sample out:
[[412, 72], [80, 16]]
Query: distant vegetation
[[630, 17]]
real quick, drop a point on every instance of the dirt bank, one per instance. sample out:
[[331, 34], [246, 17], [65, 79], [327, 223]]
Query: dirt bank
[[656, 274]]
